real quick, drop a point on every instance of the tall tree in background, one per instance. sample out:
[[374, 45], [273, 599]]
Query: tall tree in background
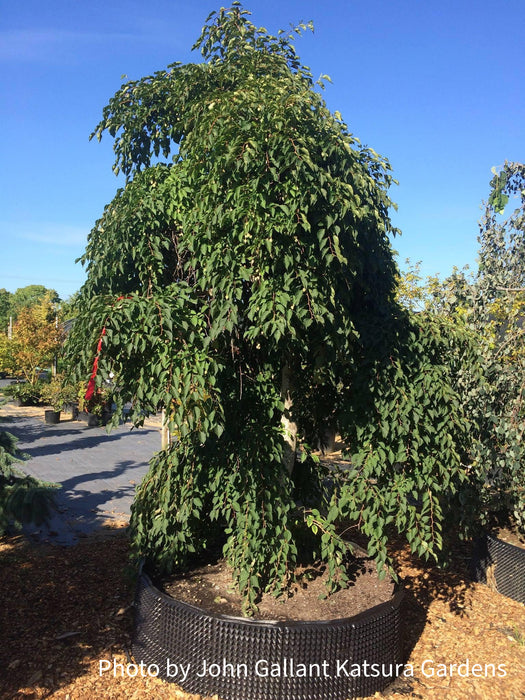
[[32, 295], [501, 276], [37, 338], [247, 288], [498, 311], [12, 303]]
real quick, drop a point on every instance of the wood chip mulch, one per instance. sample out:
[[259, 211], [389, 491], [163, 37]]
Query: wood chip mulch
[[65, 609]]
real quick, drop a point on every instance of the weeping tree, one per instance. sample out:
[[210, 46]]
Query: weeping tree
[[243, 282]]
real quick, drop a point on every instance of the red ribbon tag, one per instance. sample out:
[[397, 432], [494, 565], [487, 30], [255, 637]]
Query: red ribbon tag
[[91, 384]]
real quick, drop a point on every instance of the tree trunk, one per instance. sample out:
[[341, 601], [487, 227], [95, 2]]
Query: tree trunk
[[290, 428], [164, 432]]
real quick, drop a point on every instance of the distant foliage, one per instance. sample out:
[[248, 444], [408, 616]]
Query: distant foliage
[[7, 361], [5, 310], [31, 296], [37, 338]]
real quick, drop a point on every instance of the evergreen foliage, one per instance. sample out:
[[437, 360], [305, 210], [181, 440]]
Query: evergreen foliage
[[22, 497]]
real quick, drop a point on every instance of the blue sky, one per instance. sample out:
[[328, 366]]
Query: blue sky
[[437, 88]]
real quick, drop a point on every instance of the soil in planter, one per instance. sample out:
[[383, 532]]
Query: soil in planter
[[210, 587]]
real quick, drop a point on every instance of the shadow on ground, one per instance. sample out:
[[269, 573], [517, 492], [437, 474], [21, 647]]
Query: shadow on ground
[[97, 472]]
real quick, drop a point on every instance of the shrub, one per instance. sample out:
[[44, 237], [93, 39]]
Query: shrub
[[22, 498]]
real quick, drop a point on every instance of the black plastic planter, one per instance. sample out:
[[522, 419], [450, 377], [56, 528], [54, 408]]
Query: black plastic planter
[[90, 418], [52, 417], [242, 659], [501, 566], [73, 409], [23, 402]]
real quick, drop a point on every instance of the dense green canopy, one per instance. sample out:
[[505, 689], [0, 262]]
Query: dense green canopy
[[247, 287]]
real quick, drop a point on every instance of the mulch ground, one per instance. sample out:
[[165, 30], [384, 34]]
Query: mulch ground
[[65, 609]]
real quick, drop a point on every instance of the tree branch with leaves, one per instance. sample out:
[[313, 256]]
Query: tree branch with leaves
[[248, 279]]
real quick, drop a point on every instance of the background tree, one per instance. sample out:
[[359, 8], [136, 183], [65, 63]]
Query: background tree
[[32, 295], [498, 312], [432, 294], [7, 362], [490, 306], [25, 297], [5, 309], [68, 307], [501, 278], [37, 338], [247, 288]]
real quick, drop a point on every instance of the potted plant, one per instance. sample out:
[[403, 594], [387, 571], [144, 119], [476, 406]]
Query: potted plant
[[53, 395], [88, 410], [96, 410], [263, 307], [24, 393], [81, 400], [70, 397], [93, 413]]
